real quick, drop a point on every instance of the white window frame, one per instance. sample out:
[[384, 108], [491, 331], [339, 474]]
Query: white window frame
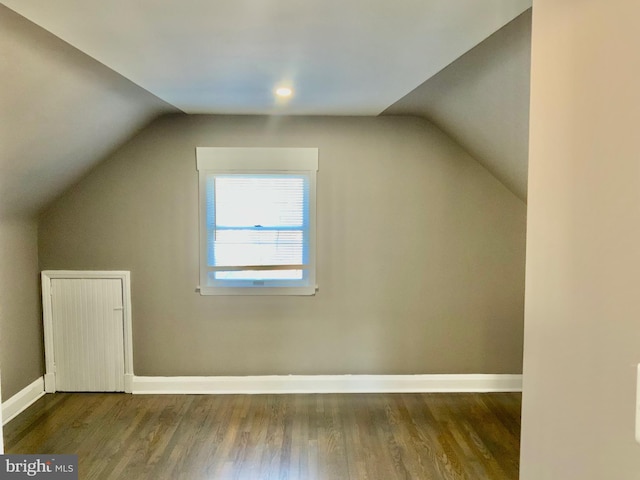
[[215, 160]]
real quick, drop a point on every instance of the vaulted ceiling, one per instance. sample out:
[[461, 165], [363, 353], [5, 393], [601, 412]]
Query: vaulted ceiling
[[61, 112], [79, 77], [482, 101]]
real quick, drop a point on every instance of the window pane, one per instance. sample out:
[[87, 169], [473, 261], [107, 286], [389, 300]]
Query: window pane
[[265, 200], [258, 247], [257, 219]]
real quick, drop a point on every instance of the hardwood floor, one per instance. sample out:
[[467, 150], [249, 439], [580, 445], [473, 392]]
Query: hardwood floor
[[354, 436]]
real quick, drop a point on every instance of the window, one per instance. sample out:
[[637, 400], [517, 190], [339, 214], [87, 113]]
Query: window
[[257, 220]]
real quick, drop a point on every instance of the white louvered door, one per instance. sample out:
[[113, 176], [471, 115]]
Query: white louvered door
[[88, 334]]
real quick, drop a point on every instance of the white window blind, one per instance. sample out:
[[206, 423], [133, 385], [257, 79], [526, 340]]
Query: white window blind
[[257, 226]]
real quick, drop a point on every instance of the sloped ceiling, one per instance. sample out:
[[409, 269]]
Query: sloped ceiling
[[482, 101], [61, 112]]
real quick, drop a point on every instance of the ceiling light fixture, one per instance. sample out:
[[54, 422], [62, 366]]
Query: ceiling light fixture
[[284, 92]]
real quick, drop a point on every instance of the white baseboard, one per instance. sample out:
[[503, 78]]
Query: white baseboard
[[22, 400], [328, 384], [290, 384]]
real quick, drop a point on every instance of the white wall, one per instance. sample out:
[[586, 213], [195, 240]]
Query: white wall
[[582, 314]]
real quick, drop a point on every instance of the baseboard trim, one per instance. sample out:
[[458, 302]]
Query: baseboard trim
[[22, 400], [328, 384]]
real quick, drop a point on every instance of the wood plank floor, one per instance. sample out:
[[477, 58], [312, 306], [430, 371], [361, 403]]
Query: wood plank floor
[[325, 437]]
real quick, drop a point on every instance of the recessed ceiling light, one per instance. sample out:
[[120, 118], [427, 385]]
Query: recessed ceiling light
[[284, 92]]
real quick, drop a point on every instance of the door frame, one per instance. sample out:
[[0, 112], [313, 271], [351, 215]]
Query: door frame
[[47, 315]]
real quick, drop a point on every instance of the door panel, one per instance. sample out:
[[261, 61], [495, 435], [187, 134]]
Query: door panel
[[88, 334]]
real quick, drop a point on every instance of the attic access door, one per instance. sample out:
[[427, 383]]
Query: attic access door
[[87, 331]]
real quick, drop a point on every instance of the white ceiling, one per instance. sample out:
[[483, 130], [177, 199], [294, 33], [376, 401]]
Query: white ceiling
[[342, 57]]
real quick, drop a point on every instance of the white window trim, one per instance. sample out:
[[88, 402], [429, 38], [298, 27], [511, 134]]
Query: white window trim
[[256, 160], [242, 159]]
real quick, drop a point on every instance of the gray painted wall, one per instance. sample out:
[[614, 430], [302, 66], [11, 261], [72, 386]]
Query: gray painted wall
[[582, 335], [420, 253], [21, 342]]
